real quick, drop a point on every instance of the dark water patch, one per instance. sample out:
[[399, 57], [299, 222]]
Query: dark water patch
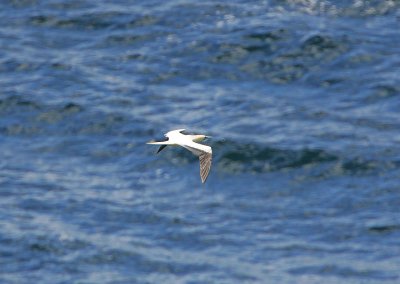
[[22, 117], [383, 92], [56, 115], [16, 103], [384, 229], [251, 158], [343, 271], [14, 65], [21, 105], [132, 56], [267, 49], [85, 21], [60, 66], [112, 257], [321, 45], [41, 248], [42, 20], [44, 248], [268, 36], [231, 53], [294, 63], [31, 118], [72, 108], [127, 39], [357, 166], [239, 157], [18, 129], [262, 42]]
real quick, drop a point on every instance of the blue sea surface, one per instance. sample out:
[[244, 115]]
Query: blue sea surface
[[301, 98]]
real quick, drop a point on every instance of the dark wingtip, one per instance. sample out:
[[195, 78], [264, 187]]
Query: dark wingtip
[[161, 148]]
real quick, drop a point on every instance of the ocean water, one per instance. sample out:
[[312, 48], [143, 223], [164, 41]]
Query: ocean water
[[301, 98]]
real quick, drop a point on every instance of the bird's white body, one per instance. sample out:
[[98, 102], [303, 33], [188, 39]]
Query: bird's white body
[[204, 152]]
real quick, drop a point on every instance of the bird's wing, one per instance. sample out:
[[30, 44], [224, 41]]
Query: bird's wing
[[205, 156], [196, 148], [173, 132], [166, 141], [205, 165], [160, 143]]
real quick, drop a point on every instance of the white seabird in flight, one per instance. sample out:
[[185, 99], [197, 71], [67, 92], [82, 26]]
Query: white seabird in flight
[[204, 152]]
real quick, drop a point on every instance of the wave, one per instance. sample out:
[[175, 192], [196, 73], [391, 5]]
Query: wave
[[234, 158], [356, 9]]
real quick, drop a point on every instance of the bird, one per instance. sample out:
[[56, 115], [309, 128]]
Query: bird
[[177, 138]]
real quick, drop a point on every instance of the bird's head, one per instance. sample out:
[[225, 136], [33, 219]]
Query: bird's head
[[200, 137]]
